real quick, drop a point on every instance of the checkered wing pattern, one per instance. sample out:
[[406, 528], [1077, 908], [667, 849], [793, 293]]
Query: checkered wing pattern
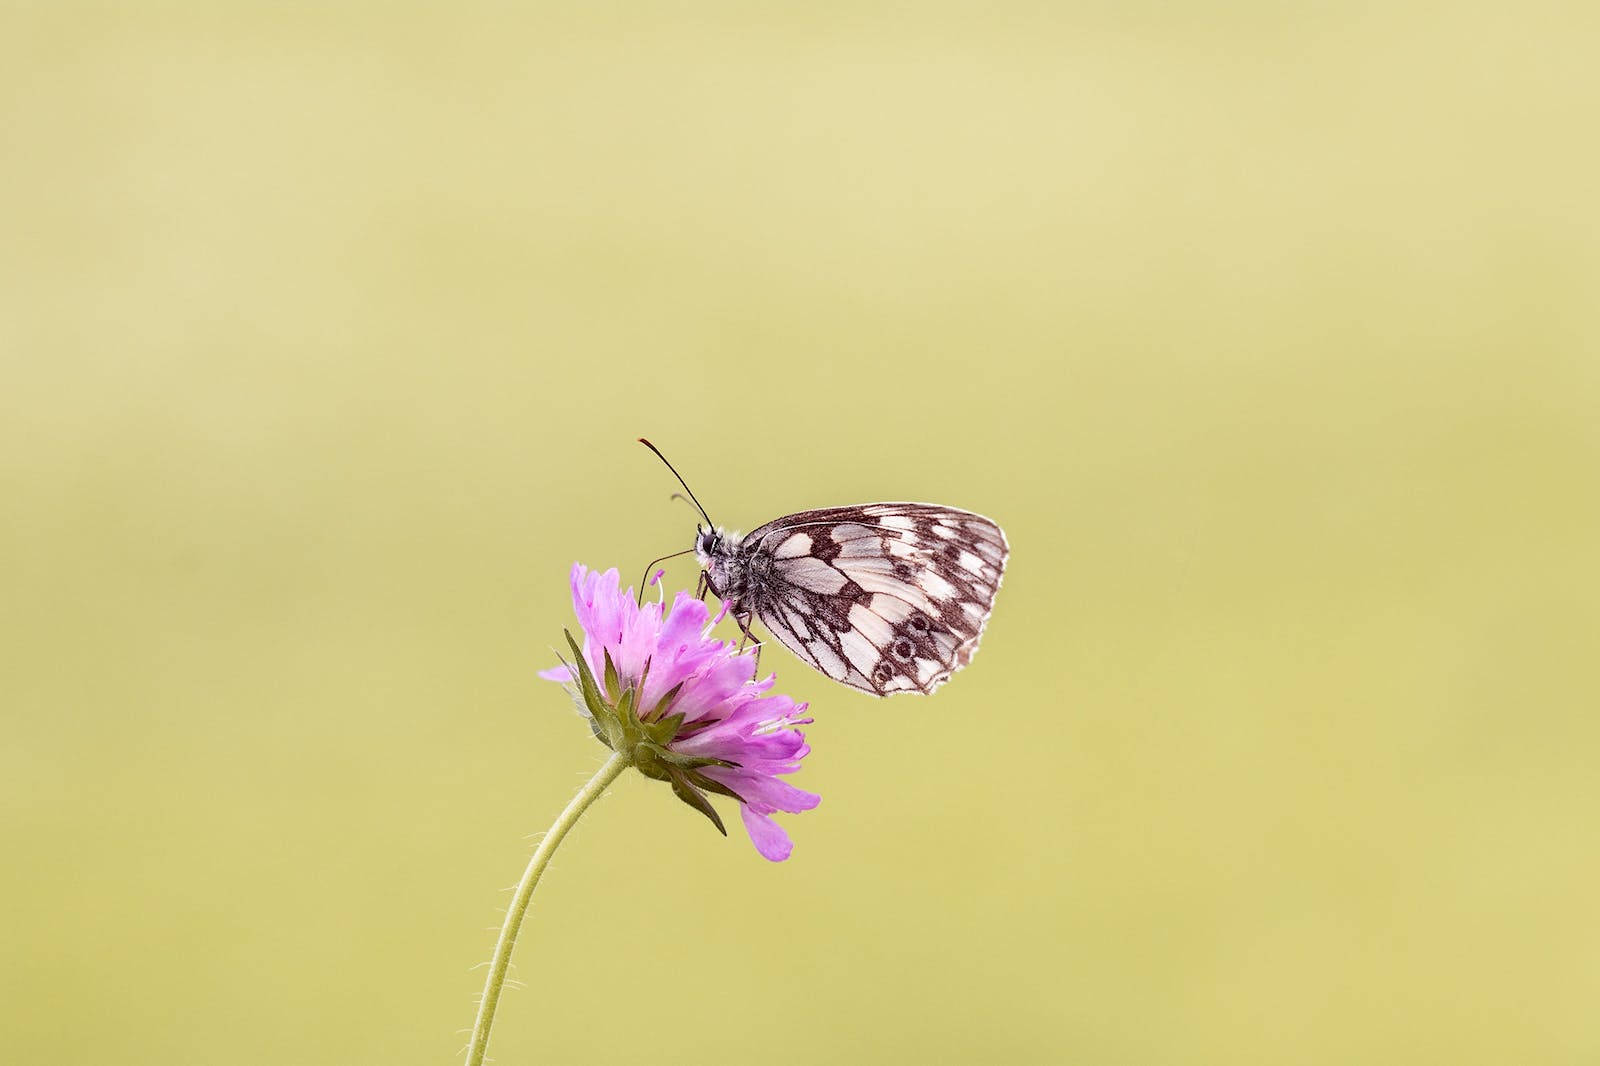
[[883, 597]]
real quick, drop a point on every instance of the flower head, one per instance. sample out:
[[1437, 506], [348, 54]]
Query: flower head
[[685, 708]]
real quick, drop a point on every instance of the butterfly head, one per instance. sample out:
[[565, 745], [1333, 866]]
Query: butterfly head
[[708, 543]]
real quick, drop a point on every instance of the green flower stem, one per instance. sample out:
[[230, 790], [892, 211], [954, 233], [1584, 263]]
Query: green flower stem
[[519, 903]]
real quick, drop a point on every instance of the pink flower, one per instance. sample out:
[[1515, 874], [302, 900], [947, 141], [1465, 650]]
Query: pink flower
[[685, 708]]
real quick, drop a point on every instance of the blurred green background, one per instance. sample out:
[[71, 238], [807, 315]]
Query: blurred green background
[[1269, 332]]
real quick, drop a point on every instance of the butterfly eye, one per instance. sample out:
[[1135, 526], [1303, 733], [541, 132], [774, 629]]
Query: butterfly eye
[[918, 625], [903, 649], [883, 673]]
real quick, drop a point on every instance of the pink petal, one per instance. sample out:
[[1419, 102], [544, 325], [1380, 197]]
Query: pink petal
[[763, 790], [768, 837]]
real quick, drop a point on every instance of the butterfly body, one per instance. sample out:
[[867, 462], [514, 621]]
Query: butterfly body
[[883, 597]]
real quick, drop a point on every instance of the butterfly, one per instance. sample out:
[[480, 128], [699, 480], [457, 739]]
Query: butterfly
[[883, 597]]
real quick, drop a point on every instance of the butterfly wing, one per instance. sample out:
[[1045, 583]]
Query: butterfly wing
[[884, 597]]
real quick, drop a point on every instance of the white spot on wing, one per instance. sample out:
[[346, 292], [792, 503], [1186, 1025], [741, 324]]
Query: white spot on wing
[[947, 645], [872, 625], [972, 564], [796, 545], [936, 586], [811, 574], [903, 549], [851, 531], [895, 587], [861, 652], [899, 683], [890, 609], [828, 660], [899, 521], [862, 548], [850, 565], [797, 623]]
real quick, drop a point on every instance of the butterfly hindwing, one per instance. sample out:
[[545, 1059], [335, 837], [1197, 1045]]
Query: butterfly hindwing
[[886, 598]]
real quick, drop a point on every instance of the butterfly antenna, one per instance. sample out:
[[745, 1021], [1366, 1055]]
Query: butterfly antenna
[[682, 482]]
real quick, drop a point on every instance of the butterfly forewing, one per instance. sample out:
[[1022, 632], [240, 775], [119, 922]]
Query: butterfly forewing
[[884, 597]]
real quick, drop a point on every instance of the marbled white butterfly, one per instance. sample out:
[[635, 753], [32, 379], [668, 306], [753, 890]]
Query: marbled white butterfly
[[884, 597]]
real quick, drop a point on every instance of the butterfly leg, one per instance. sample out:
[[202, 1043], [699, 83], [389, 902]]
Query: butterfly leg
[[745, 636]]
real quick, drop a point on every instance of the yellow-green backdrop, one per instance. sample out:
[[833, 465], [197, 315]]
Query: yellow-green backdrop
[[1268, 331]]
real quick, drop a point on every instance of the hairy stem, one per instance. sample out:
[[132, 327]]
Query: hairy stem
[[519, 903]]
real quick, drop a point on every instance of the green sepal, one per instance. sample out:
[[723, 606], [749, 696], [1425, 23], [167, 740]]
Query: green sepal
[[613, 682], [625, 704], [681, 761], [663, 703], [687, 792], [646, 758], [662, 732], [694, 727], [602, 716], [586, 684], [702, 781], [575, 693], [644, 673]]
